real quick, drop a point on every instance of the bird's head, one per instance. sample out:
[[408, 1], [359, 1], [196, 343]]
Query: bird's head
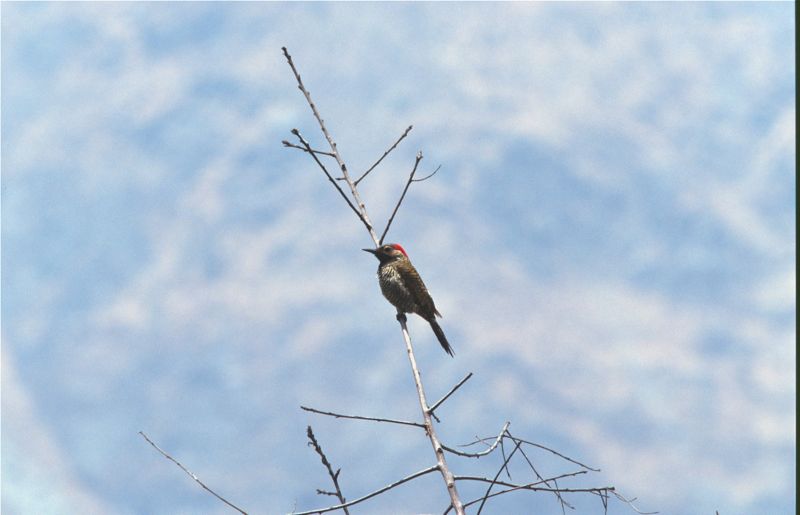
[[388, 252]]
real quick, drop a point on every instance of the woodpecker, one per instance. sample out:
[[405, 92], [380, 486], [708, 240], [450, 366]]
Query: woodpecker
[[403, 287]]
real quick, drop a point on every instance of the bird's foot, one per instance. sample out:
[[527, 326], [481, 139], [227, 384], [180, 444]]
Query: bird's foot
[[401, 317]]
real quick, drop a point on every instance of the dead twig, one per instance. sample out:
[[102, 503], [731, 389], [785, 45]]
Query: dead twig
[[503, 453], [315, 151], [536, 488], [313, 154], [629, 502], [334, 475], [540, 446], [362, 212], [526, 486], [494, 481], [370, 495], [197, 480], [402, 196], [428, 176], [499, 438], [384, 154], [548, 449], [564, 504], [448, 394], [357, 417]]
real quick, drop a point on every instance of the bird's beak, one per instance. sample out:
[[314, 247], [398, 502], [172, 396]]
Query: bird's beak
[[371, 251]]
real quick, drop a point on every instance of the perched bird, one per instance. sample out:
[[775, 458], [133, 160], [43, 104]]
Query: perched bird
[[403, 287]]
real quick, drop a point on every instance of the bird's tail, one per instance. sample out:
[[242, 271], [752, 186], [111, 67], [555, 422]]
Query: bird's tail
[[437, 330]]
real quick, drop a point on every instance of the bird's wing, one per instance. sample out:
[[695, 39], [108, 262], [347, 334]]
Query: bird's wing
[[422, 298]]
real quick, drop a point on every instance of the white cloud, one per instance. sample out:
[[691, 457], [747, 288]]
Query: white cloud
[[37, 476]]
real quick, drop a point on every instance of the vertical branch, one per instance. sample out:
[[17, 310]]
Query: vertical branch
[[362, 211], [353, 189], [428, 421]]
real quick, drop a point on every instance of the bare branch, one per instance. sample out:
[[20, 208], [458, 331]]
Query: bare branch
[[512, 487], [526, 487], [315, 151], [503, 453], [489, 489], [629, 502], [402, 196], [429, 175], [423, 403], [176, 462], [540, 446], [499, 438], [313, 107], [576, 462], [353, 189], [448, 394], [384, 154], [537, 488], [334, 476], [370, 495], [330, 178], [356, 417], [539, 476]]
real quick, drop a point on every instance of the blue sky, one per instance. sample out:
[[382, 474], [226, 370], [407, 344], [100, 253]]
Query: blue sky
[[611, 239]]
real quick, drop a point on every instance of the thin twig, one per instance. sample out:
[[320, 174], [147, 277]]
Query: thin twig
[[494, 481], [629, 502], [536, 488], [428, 176], [334, 475], [176, 462], [540, 446], [448, 394], [482, 453], [505, 463], [370, 495], [330, 178], [356, 417], [313, 150], [384, 154], [353, 189], [604, 501], [539, 476], [402, 196], [524, 487], [512, 487]]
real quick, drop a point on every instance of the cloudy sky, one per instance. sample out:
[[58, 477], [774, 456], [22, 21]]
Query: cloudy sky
[[611, 240]]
